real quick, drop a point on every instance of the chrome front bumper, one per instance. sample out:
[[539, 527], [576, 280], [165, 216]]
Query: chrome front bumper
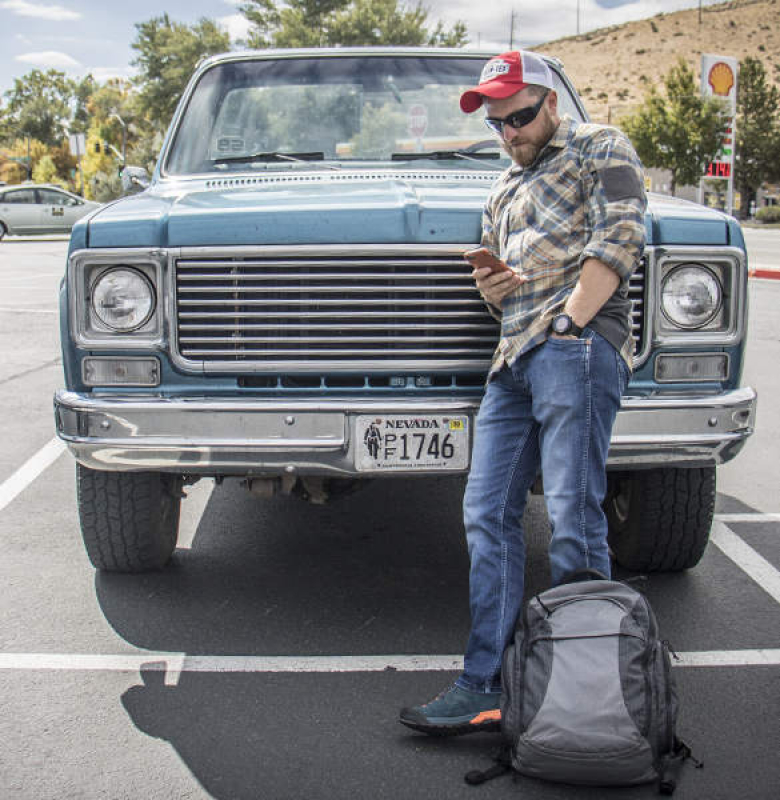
[[234, 436]]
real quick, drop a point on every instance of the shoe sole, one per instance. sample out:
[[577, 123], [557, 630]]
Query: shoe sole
[[486, 722]]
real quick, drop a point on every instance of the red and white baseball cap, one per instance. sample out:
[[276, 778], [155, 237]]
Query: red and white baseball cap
[[507, 74]]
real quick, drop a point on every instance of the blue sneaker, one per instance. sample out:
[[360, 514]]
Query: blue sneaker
[[455, 711]]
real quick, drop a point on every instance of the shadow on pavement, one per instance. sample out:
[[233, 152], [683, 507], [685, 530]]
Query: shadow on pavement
[[380, 572], [384, 571]]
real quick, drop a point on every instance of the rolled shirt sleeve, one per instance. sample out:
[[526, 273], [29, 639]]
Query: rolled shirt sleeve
[[615, 202], [490, 241]]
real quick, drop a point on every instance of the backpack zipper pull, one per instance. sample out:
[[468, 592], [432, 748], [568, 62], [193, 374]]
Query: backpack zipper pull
[[669, 647]]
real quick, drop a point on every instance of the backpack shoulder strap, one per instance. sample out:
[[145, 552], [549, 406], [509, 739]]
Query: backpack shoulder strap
[[671, 765], [503, 765]]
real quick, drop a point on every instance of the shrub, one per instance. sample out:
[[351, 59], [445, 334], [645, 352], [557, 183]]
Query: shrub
[[768, 214], [46, 172]]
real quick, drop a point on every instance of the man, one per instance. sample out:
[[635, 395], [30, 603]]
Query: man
[[568, 219]]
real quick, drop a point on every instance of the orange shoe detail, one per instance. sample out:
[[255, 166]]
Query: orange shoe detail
[[487, 716]]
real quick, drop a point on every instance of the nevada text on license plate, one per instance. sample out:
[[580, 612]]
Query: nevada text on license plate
[[399, 442]]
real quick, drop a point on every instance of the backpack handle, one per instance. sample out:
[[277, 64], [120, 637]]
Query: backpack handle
[[587, 574]]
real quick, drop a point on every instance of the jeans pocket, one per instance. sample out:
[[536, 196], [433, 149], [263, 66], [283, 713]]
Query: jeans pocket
[[583, 339], [623, 373]]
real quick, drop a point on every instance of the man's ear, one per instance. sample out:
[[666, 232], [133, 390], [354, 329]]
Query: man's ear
[[552, 101]]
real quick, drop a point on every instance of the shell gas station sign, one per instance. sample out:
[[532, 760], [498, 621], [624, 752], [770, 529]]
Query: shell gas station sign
[[719, 79]]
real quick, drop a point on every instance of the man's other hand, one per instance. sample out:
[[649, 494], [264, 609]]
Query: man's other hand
[[495, 286]]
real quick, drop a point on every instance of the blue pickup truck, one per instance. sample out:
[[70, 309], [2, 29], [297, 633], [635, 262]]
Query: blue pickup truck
[[286, 303]]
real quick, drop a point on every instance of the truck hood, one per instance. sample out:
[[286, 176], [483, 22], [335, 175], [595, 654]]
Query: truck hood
[[333, 208], [671, 220], [342, 208]]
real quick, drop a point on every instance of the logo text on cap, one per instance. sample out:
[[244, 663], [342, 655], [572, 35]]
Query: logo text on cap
[[493, 69]]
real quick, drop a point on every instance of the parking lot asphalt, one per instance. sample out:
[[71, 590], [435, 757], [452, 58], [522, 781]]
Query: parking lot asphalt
[[270, 659]]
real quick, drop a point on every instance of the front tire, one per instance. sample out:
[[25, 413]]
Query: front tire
[[129, 520], [660, 519], [3, 230]]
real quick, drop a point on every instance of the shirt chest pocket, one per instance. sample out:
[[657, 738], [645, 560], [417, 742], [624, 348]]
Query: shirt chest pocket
[[553, 224]]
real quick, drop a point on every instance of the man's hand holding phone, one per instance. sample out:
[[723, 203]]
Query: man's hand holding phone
[[495, 280]]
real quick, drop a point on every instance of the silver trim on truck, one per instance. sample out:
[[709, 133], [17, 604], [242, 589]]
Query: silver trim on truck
[[229, 436]]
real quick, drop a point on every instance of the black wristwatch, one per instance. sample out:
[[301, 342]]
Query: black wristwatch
[[563, 325]]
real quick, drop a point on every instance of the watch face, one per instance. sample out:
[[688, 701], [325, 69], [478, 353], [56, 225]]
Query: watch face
[[561, 324]]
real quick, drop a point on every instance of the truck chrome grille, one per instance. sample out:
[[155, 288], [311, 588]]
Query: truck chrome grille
[[636, 293], [318, 311]]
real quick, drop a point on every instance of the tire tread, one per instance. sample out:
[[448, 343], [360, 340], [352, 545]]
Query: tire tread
[[669, 519], [129, 520]]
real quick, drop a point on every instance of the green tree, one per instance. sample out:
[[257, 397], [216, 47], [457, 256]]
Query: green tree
[[332, 23], [116, 108], [757, 157], [82, 93], [46, 172], [39, 106], [265, 19], [681, 130], [19, 158], [6, 127], [167, 54]]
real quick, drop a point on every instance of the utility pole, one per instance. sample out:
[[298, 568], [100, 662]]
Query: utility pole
[[124, 136], [578, 17], [699, 12], [512, 30]]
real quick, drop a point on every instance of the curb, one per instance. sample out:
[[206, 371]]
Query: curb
[[764, 273]]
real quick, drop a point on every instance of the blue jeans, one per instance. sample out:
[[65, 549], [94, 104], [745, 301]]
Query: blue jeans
[[552, 410]]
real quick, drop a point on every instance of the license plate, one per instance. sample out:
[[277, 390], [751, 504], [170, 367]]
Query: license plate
[[407, 442]]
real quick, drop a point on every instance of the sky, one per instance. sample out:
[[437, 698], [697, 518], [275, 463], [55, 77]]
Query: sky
[[91, 36]]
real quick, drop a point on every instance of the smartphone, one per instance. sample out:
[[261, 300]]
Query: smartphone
[[482, 257]]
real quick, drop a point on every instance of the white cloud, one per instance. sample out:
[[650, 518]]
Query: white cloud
[[237, 25], [488, 22], [26, 9], [50, 59]]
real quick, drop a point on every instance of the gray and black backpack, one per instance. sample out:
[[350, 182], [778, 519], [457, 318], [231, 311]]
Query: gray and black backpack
[[588, 695]]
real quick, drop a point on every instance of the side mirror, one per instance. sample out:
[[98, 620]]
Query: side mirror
[[134, 179]]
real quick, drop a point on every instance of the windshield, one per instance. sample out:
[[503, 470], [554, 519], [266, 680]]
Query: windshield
[[327, 112]]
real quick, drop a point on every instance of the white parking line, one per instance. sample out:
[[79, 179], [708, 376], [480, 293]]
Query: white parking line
[[5, 283], [728, 658], [746, 558], [173, 664], [192, 510], [748, 517], [29, 471], [21, 310]]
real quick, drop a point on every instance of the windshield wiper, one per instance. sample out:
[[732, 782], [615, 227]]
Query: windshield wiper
[[301, 158], [447, 155]]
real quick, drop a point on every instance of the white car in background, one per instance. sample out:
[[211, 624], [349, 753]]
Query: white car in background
[[40, 208]]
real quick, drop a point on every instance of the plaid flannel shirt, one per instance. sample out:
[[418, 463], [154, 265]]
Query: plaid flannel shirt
[[582, 198]]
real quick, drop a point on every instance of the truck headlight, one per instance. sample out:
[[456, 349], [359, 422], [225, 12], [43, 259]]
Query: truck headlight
[[691, 296], [123, 299]]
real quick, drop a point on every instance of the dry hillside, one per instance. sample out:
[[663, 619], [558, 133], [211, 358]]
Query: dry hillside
[[613, 67]]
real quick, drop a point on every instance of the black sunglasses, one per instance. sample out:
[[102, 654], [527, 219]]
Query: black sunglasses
[[517, 119]]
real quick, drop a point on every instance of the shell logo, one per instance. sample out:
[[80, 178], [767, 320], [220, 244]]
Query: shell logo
[[721, 79]]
